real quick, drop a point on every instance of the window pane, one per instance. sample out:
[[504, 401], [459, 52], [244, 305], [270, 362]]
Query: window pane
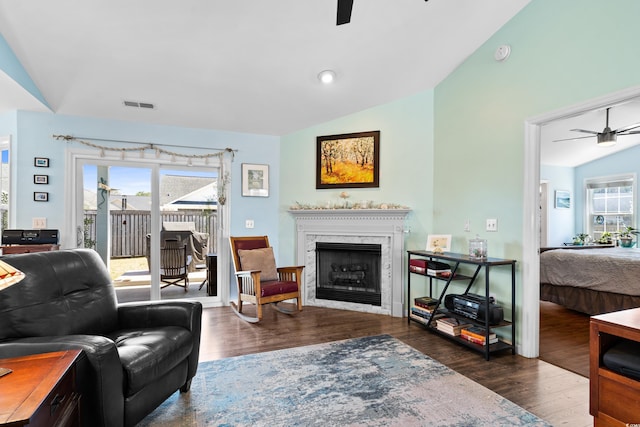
[[611, 205]]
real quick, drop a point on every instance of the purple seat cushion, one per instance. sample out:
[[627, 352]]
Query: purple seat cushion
[[276, 287]]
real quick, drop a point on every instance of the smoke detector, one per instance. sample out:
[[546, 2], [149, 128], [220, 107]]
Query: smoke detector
[[502, 52]]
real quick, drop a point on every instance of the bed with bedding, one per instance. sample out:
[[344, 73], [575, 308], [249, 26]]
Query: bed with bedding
[[592, 281]]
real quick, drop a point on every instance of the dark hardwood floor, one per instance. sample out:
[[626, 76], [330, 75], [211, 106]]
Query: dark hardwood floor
[[554, 394], [564, 338]]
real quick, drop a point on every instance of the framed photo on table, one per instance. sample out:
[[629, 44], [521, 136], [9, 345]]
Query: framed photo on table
[[255, 180], [439, 242]]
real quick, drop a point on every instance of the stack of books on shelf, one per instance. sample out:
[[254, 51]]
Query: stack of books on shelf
[[451, 325], [435, 268], [424, 308], [477, 335], [432, 268]]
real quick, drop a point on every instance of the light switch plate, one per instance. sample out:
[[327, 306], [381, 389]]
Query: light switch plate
[[39, 223]]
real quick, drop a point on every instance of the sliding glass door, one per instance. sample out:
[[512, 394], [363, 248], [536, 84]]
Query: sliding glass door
[[131, 213]]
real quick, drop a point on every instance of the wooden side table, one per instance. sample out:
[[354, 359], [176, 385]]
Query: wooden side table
[[41, 390], [26, 249]]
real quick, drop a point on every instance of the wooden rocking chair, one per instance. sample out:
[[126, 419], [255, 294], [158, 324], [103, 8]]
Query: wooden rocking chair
[[259, 280], [174, 264]]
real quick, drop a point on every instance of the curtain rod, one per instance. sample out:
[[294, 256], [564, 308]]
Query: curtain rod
[[148, 144]]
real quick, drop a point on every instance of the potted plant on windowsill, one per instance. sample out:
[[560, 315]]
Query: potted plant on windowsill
[[626, 237], [581, 239], [606, 238]]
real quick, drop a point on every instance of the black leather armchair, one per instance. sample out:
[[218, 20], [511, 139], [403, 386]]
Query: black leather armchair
[[135, 355]]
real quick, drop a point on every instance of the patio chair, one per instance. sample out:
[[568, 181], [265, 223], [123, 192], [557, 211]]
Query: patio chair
[[174, 264], [259, 280]]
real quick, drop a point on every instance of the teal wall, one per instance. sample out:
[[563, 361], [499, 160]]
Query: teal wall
[[406, 166], [563, 53]]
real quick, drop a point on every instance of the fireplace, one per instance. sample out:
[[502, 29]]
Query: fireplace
[[348, 272], [383, 228]]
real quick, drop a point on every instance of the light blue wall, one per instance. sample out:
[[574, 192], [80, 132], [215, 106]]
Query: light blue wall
[[10, 65], [32, 137], [560, 56], [406, 165], [561, 222], [8, 123], [566, 223], [622, 162]]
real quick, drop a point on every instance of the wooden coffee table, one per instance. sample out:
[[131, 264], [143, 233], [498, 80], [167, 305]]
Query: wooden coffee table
[[41, 390]]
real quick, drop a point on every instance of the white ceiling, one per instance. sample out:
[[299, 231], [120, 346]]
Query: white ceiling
[[238, 65], [577, 152]]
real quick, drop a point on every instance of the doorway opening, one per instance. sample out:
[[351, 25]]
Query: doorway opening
[[531, 207]]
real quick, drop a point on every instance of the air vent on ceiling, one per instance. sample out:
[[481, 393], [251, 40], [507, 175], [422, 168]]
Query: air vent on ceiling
[[139, 104]]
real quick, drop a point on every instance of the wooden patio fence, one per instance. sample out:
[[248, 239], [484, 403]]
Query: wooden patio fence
[[130, 228]]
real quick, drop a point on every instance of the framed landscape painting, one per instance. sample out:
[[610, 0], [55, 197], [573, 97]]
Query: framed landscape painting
[[348, 161]]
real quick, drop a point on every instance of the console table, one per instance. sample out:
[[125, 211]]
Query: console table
[[41, 390]]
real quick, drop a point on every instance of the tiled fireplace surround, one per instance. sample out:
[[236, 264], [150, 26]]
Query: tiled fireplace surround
[[373, 226]]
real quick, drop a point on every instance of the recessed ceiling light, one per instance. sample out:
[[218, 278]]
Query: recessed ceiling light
[[327, 76]]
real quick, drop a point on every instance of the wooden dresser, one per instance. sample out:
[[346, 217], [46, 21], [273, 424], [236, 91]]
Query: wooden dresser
[[614, 399], [41, 390]]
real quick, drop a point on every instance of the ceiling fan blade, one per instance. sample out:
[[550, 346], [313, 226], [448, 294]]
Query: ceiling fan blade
[[344, 11], [585, 131], [627, 128], [634, 132], [572, 139]]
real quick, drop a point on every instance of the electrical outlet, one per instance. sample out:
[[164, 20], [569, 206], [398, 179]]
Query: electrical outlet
[[492, 224], [39, 223], [248, 223]]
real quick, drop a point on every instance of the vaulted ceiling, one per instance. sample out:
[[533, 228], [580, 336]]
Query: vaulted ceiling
[[237, 65]]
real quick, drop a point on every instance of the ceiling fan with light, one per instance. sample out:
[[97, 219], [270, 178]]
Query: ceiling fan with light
[[344, 11], [608, 136]]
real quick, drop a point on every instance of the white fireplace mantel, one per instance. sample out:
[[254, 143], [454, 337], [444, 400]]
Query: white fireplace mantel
[[378, 226]]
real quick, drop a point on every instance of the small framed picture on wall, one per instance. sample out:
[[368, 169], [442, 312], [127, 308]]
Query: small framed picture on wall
[[41, 162], [40, 196], [563, 199], [40, 179]]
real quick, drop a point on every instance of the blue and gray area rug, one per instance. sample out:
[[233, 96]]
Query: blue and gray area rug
[[371, 381]]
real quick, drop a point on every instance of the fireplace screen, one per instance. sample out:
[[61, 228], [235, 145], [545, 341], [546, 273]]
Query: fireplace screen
[[348, 272]]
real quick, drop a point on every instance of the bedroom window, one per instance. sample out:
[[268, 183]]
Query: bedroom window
[[611, 202]]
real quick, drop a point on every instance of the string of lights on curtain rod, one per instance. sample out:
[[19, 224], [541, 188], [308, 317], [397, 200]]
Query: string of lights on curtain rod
[[142, 147]]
